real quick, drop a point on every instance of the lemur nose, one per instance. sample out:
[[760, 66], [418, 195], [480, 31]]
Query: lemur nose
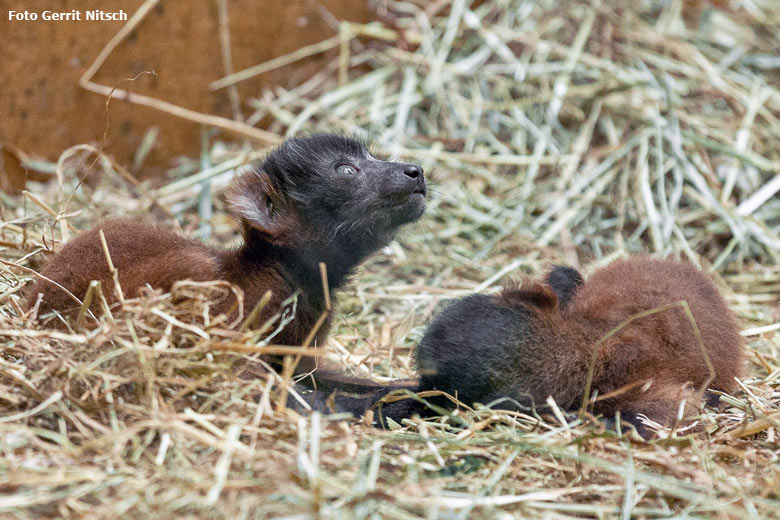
[[413, 171]]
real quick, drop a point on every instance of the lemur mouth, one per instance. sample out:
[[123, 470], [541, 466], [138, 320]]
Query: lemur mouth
[[403, 198], [416, 196]]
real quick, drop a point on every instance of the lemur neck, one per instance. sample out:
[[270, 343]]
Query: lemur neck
[[588, 348], [300, 266], [567, 358]]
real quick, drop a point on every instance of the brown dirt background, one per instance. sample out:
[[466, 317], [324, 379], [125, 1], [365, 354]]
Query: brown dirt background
[[44, 111]]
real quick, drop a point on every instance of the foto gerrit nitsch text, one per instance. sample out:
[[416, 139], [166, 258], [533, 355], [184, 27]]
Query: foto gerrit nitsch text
[[74, 15]]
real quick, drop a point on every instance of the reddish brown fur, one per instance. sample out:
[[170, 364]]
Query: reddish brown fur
[[661, 349], [146, 254], [525, 344]]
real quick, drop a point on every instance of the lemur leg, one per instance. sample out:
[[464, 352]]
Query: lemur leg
[[660, 404]]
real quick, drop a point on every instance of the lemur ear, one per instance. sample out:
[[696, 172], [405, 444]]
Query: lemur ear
[[564, 281], [537, 294], [261, 206]]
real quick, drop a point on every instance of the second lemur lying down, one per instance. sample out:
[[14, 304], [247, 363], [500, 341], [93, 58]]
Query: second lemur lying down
[[537, 339]]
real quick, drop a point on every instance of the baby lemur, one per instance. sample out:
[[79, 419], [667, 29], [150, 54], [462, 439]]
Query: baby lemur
[[537, 339], [323, 198]]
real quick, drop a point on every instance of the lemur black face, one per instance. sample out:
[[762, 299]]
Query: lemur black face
[[384, 188], [324, 199], [341, 188]]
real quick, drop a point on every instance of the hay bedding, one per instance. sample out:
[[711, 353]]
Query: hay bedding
[[569, 133]]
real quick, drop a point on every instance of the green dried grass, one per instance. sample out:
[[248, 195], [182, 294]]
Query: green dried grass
[[588, 132]]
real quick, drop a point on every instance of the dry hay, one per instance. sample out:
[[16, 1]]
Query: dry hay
[[572, 133]]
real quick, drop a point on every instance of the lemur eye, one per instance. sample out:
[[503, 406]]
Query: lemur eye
[[346, 169]]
